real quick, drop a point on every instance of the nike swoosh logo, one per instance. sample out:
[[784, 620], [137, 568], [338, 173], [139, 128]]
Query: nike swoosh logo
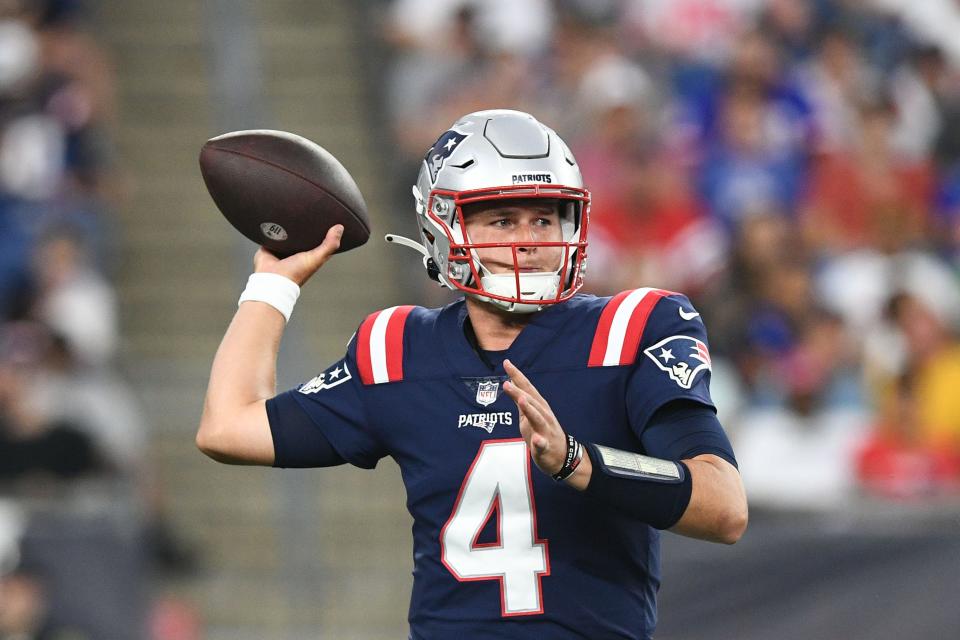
[[687, 315]]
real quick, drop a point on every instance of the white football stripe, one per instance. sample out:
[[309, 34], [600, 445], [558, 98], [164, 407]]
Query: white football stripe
[[618, 328], [378, 346]]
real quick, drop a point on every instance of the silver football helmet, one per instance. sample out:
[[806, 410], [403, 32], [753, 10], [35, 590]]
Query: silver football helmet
[[499, 155]]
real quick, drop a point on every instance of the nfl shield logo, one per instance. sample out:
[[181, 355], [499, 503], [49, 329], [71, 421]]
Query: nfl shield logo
[[487, 391]]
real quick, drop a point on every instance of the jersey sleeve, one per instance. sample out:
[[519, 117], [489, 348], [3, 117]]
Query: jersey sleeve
[[683, 429], [332, 403], [672, 360]]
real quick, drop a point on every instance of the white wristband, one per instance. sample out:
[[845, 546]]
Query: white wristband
[[280, 292]]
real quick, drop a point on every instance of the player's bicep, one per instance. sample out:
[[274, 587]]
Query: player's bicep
[[241, 438], [685, 429]]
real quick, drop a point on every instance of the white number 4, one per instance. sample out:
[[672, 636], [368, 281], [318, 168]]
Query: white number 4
[[498, 480]]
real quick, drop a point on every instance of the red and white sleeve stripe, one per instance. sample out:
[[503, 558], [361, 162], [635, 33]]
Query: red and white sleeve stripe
[[380, 345], [621, 326]]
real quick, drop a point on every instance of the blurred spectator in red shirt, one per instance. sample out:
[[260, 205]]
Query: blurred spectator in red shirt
[[646, 223], [857, 198]]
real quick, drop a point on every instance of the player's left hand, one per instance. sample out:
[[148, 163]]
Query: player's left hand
[[538, 426]]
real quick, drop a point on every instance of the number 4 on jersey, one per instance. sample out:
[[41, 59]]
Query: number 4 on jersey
[[498, 479]]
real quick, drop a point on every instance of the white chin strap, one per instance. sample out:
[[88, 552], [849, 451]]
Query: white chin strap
[[533, 286]]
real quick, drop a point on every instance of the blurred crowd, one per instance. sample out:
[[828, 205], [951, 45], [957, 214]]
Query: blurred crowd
[[81, 524], [791, 165]]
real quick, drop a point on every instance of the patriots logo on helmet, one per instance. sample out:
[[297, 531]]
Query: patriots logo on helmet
[[441, 150], [681, 357]]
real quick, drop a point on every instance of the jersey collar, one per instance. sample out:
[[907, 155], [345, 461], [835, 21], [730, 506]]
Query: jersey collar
[[531, 343]]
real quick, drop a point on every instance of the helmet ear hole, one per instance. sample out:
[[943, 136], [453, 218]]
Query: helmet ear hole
[[571, 273], [432, 271]]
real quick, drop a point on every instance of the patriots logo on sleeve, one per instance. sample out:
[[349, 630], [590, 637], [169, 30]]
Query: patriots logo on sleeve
[[328, 379], [441, 150], [683, 358]]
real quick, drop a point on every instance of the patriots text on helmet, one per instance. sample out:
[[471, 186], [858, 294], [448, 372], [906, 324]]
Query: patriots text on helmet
[[524, 178]]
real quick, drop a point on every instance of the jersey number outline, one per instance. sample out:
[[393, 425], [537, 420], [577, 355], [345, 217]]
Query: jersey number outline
[[498, 480]]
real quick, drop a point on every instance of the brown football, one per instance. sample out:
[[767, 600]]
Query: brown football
[[283, 191]]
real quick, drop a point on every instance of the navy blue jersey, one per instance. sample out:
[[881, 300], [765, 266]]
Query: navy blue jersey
[[500, 549]]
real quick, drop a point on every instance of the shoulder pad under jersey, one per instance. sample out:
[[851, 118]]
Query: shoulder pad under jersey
[[620, 328]]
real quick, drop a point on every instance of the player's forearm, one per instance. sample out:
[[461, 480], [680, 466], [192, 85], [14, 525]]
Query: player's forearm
[[245, 366], [718, 505], [244, 370]]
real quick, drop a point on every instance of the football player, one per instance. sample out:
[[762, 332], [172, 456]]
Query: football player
[[545, 437]]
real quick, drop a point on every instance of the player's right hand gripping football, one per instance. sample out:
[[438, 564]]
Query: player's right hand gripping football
[[300, 266]]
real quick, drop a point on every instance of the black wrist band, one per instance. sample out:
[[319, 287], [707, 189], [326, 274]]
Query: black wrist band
[[653, 490], [571, 461]]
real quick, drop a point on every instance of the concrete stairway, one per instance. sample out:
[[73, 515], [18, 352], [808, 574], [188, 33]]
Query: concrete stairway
[[288, 554]]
